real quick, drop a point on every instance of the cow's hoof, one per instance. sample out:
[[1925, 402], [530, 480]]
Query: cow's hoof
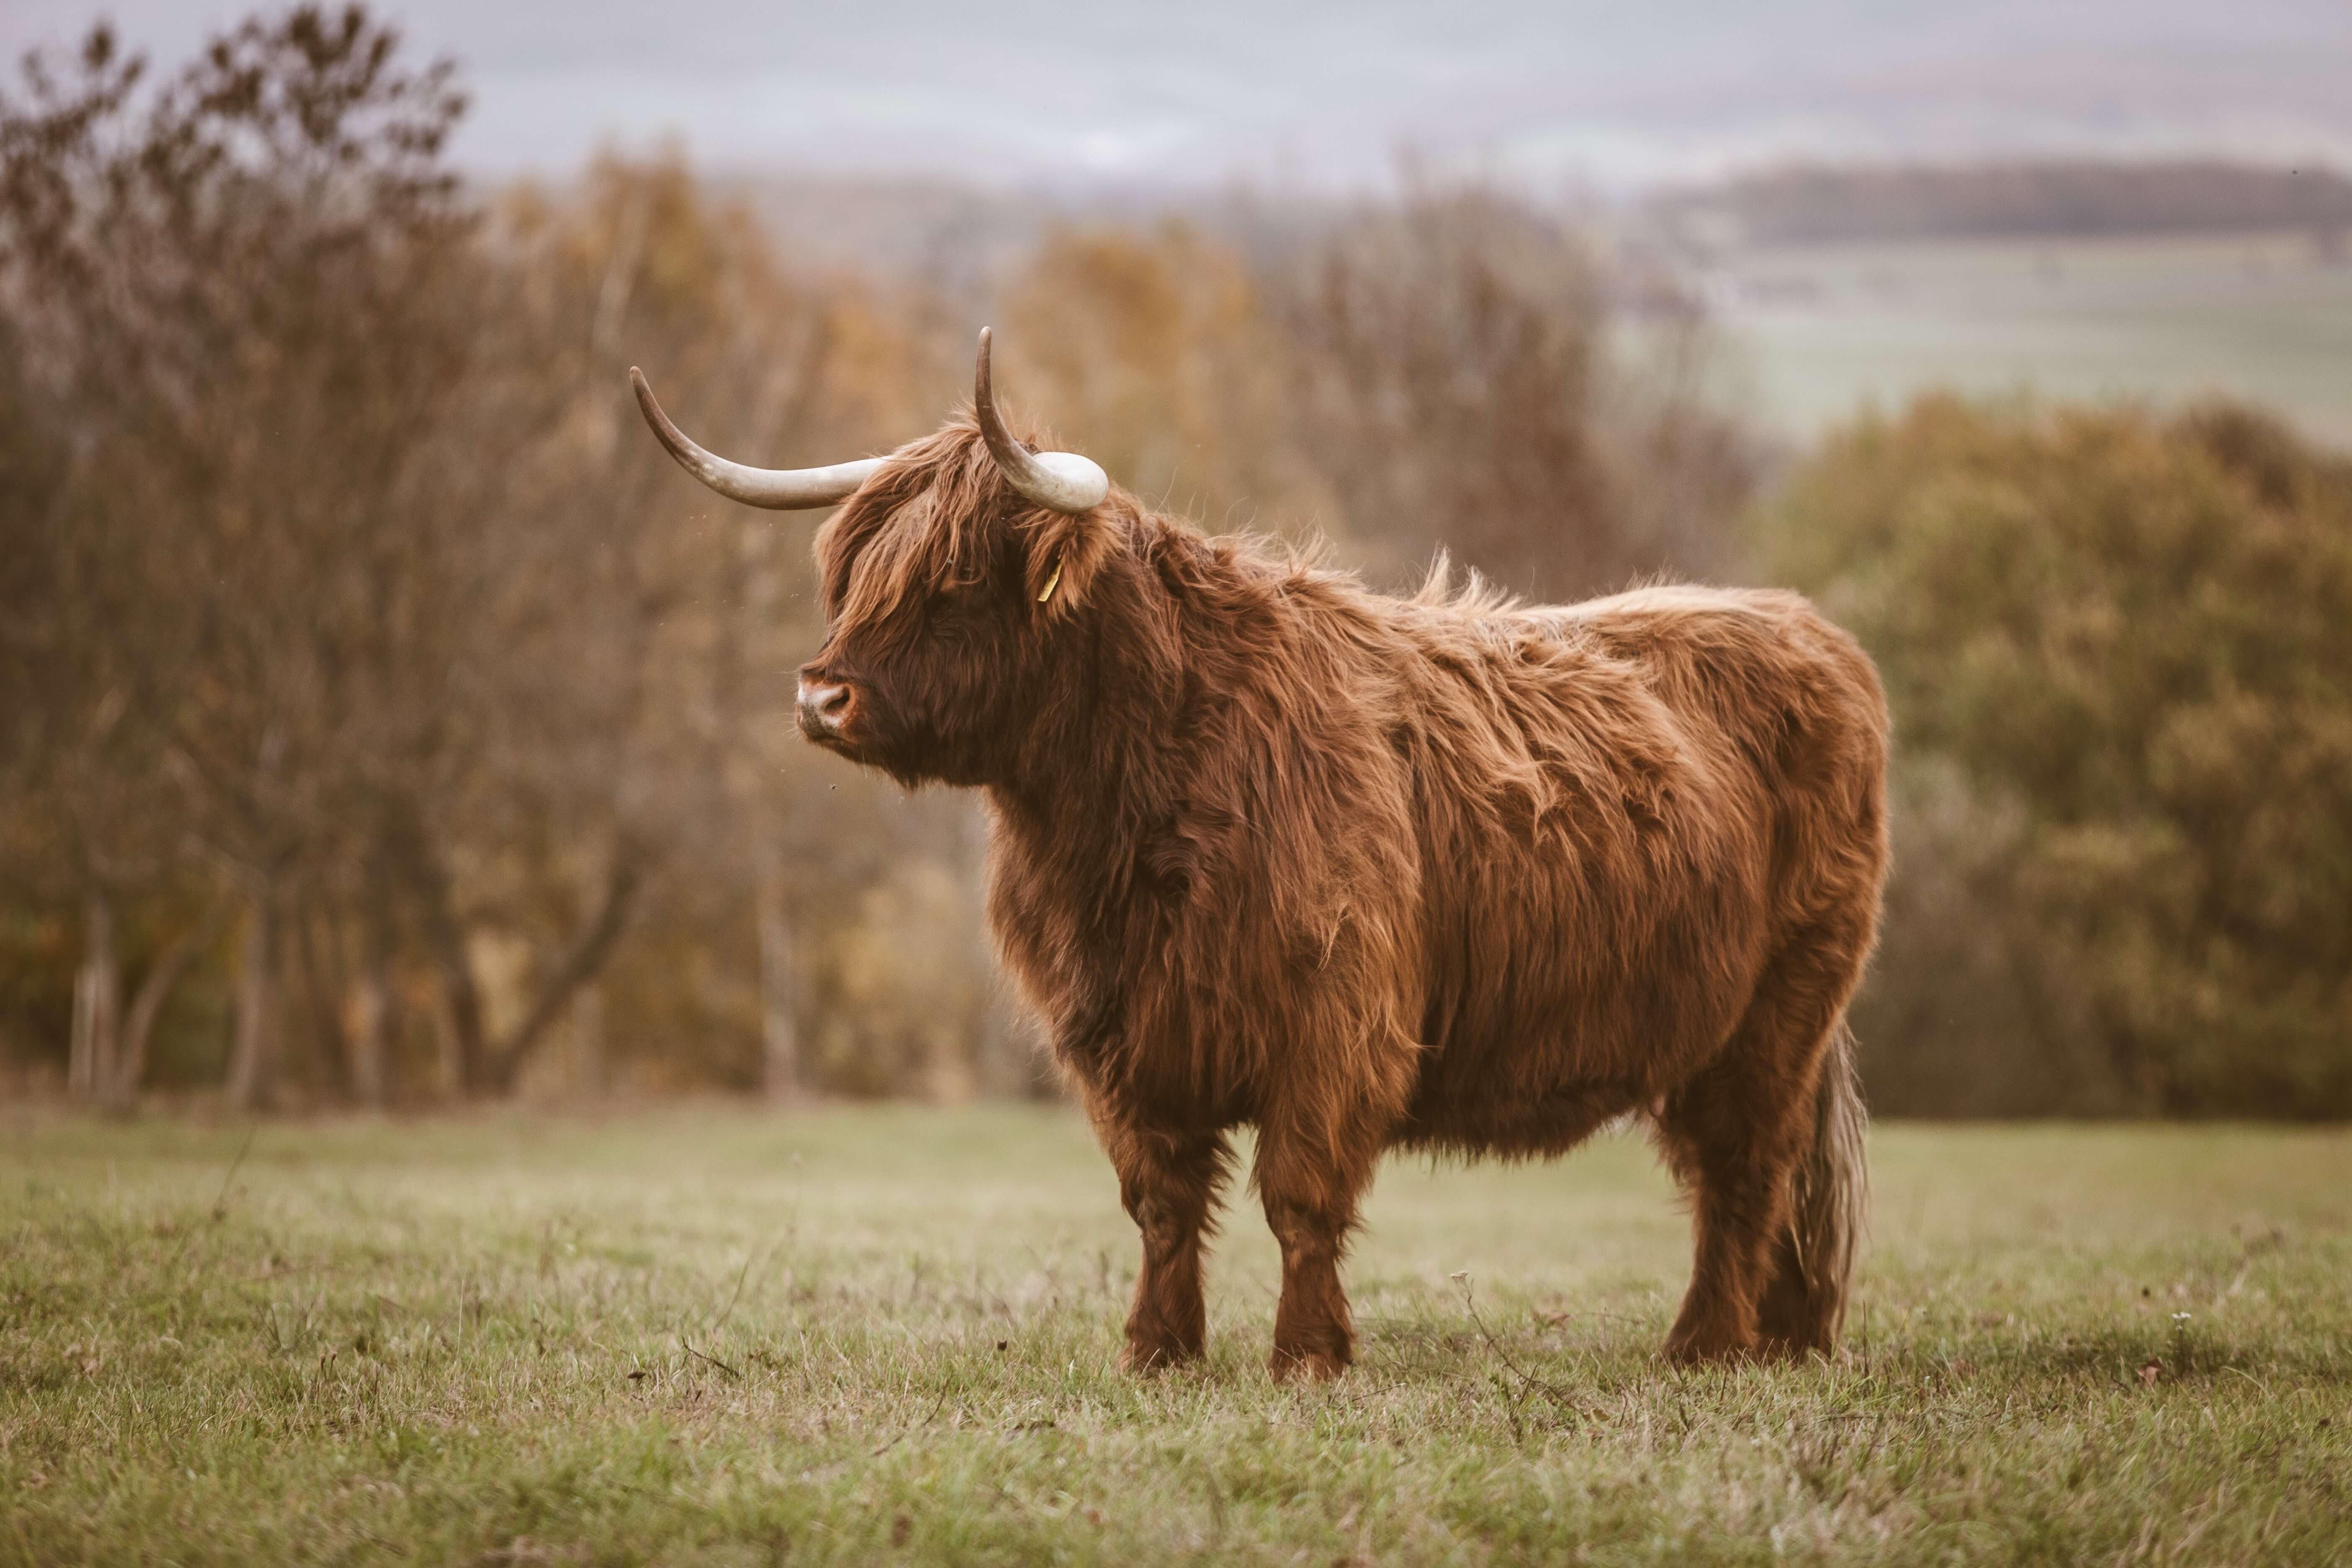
[[1147, 1361], [1780, 1349], [1704, 1350], [1305, 1366]]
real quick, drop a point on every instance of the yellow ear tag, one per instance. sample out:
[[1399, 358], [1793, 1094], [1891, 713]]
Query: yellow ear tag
[[1052, 583]]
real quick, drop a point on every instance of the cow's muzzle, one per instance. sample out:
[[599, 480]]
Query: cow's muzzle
[[823, 709]]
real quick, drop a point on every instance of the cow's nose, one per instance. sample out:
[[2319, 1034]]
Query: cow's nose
[[823, 706]]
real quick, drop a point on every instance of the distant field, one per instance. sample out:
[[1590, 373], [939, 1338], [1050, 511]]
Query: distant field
[[1819, 329], [718, 1335]]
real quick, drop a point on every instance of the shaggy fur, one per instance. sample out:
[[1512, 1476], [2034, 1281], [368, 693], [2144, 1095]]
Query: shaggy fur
[[1444, 873]]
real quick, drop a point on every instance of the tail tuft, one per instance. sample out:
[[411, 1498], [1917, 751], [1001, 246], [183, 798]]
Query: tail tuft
[[1805, 1304]]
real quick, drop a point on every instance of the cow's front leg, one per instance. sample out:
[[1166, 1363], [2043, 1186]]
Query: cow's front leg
[[1311, 1186], [1168, 1183]]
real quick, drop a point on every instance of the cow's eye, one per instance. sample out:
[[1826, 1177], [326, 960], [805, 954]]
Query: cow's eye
[[943, 610]]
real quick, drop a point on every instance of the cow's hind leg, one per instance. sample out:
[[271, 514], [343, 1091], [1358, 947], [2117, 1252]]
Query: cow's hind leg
[[1169, 1183], [1735, 1134]]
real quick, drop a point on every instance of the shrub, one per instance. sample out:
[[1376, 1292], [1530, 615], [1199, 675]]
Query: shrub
[[2118, 647]]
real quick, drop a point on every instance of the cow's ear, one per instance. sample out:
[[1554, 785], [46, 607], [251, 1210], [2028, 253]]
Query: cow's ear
[[1065, 557]]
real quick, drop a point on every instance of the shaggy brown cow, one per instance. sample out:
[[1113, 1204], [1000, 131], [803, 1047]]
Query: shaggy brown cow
[[1444, 873]]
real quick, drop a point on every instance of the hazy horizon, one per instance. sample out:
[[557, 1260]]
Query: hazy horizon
[[1330, 96]]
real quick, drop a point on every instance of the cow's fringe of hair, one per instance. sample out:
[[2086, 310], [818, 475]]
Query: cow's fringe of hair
[[917, 529]]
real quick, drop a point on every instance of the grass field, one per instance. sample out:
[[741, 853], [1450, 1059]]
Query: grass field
[[1819, 329], [713, 1334]]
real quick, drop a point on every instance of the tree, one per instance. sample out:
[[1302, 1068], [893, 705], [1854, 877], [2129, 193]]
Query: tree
[[303, 399], [2118, 648], [1155, 352], [89, 650], [1466, 371]]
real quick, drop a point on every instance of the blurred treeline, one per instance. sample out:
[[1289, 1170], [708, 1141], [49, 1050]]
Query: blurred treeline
[[387, 718], [2045, 198], [387, 721]]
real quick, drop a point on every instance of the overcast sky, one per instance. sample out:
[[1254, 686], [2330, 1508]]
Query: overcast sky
[[1330, 92]]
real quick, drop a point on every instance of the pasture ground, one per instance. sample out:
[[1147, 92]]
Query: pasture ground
[[1818, 330], [716, 1334]]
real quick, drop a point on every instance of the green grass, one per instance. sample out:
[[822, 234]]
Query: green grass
[[1823, 329], [852, 1334]]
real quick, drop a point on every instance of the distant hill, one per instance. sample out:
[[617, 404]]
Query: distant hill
[[1816, 205]]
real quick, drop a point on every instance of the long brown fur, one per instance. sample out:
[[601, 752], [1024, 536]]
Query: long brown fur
[[1445, 873]]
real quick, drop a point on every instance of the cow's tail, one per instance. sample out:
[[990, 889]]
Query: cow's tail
[[1805, 1305]]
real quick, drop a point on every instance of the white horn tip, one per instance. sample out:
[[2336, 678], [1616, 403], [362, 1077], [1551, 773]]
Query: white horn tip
[[1085, 484]]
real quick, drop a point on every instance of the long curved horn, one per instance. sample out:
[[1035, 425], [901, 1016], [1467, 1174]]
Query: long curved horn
[[779, 490], [1063, 481]]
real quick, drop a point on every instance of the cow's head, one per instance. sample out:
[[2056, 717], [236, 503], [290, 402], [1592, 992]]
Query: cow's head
[[952, 578]]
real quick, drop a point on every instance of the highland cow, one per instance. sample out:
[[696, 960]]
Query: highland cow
[[1444, 873]]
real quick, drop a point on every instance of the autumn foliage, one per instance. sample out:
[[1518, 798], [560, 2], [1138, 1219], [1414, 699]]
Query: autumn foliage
[[2118, 646]]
